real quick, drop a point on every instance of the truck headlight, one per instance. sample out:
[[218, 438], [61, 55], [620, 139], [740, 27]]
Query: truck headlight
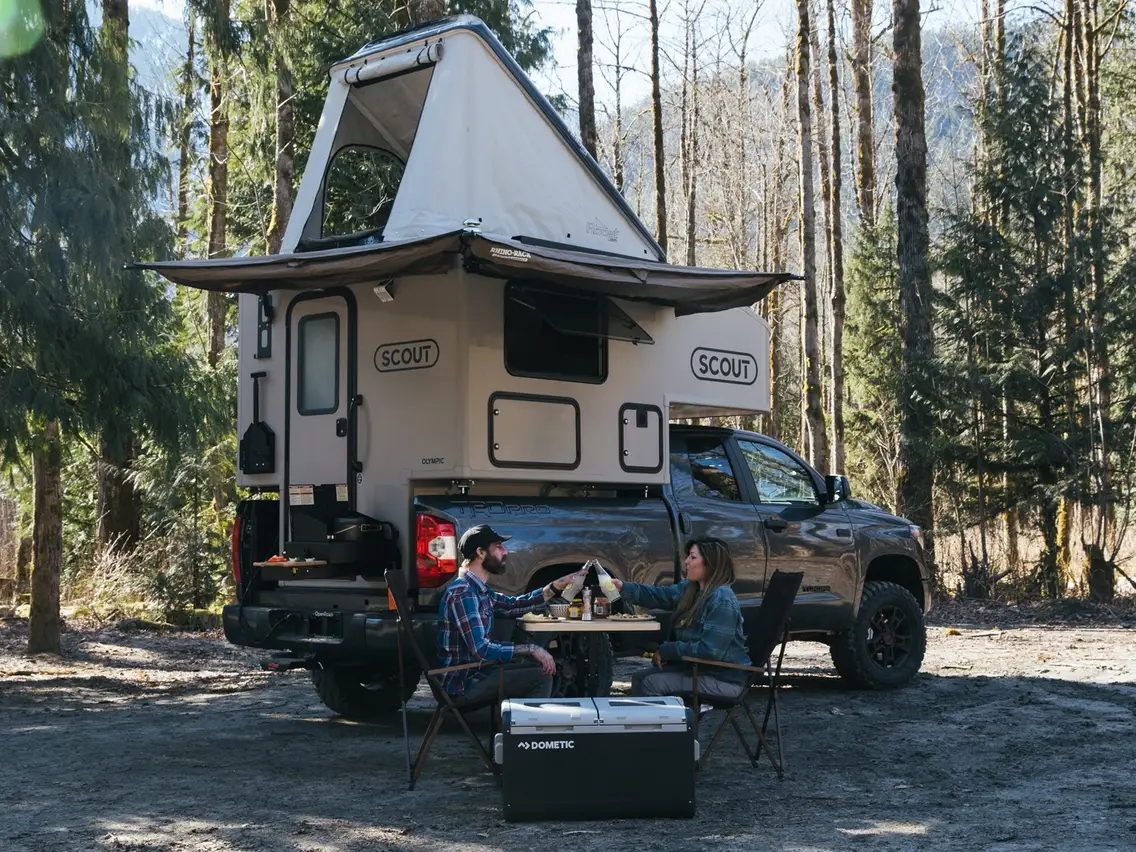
[[916, 533]]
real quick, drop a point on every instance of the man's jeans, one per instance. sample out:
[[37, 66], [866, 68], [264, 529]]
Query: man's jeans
[[522, 680]]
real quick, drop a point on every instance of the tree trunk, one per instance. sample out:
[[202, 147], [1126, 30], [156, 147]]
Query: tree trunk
[[822, 151], [47, 549], [118, 522], [285, 133], [836, 258], [1100, 370], [814, 414], [185, 150], [657, 121], [617, 140], [914, 275], [218, 192], [23, 558], [584, 76], [692, 175], [116, 27], [421, 11], [862, 82]]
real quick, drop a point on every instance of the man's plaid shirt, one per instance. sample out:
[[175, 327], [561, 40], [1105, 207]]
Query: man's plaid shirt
[[466, 615]]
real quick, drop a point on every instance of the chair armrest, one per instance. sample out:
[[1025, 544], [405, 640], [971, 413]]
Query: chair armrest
[[723, 664], [463, 667]]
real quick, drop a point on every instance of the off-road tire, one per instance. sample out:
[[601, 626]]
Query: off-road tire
[[885, 647], [359, 693]]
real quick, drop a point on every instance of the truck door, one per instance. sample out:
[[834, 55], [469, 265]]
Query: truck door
[[320, 441], [803, 533], [711, 502]]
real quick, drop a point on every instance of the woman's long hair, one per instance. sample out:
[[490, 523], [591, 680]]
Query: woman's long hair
[[719, 572]]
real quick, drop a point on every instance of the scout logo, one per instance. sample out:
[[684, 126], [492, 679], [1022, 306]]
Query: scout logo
[[406, 355], [723, 365]]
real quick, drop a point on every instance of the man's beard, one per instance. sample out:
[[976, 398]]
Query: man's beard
[[492, 564]]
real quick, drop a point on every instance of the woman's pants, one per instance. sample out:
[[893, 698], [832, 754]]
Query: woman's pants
[[678, 679]]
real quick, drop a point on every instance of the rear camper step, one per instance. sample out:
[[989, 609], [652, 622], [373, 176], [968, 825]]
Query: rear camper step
[[287, 662]]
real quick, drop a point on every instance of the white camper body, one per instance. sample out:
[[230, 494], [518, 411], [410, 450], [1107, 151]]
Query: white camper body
[[507, 324]]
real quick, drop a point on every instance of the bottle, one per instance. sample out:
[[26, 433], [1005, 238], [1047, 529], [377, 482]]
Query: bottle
[[570, 593], [587, 605], [607, 584]]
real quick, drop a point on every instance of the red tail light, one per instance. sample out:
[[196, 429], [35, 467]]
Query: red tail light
[[437, 552], [237, 553]]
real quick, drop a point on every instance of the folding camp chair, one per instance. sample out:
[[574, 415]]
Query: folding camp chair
[[771, 630], [446, 704]]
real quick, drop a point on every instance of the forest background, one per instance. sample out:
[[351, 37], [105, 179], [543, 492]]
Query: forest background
[[955, 183]]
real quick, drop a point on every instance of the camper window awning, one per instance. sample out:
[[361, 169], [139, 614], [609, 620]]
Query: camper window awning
[[688, 290]]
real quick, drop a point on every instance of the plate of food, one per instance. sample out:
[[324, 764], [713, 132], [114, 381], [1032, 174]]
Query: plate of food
[[624, 617], [537, 616]]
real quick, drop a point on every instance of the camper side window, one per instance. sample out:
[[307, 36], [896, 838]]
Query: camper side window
[[317, 346], [555, 335]]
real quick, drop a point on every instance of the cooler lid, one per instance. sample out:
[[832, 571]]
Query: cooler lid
[[548, 712], [662, 710]]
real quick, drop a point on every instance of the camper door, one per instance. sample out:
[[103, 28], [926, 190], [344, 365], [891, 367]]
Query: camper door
[[320, 453]]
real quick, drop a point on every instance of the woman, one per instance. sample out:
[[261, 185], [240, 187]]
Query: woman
[[707, 624]]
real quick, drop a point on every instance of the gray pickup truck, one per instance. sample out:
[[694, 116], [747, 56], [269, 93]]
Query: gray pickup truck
[[865, 592]]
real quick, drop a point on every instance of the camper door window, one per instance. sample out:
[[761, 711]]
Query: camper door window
[[318, 374], [552, 335]]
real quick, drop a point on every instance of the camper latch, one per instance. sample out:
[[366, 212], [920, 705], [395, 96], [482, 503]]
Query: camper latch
[[341, 427]]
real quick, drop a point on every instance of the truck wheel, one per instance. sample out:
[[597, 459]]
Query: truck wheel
[[885, 647], [360, 693], [568, 682]]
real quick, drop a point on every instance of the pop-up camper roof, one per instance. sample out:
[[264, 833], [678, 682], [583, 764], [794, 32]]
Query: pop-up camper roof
[[434, 150]]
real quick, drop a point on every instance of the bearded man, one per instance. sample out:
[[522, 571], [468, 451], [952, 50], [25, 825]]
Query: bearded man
[[466, 613]]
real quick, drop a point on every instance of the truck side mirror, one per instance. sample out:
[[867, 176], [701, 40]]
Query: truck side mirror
[[838, 488]]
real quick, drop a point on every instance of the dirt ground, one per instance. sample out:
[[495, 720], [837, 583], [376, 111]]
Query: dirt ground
[[1018, 735]]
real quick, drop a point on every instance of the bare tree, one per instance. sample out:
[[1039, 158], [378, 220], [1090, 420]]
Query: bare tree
[[862, 82], [836, 256], [285, 129], [218, 182], [917, 473], [657, 125], [584, 79], [814, 413]]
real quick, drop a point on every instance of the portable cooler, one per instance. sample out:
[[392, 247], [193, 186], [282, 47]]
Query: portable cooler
[[595, 758]]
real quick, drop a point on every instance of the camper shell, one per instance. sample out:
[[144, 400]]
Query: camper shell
[[464, 302], [466, 323]]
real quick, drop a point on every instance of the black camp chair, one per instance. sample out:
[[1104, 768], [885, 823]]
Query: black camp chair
[[446, 704], [771, 630]]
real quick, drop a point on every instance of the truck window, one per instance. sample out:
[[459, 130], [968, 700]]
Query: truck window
[[779, 478], [572, 349], [711, 474]]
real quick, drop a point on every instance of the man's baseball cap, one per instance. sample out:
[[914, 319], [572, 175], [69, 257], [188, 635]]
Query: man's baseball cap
[[481, 535]]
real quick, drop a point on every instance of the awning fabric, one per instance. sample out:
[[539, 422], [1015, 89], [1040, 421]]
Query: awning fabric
[[688, 290]]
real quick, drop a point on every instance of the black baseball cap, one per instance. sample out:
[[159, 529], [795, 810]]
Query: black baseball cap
[[481, 535]]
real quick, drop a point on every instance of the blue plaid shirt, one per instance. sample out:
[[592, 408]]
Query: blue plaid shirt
[[717, 634], [466, 613]]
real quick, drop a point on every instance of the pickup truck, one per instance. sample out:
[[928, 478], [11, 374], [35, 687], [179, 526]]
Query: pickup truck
[[865, 591]]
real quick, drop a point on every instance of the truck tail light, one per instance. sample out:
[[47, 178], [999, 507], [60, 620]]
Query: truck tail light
[[237, 553], [437, 552]]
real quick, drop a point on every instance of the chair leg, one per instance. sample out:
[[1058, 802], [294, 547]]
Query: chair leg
[[482, 753], [427, 741], [765, 743], [717, 735], [745, 743]]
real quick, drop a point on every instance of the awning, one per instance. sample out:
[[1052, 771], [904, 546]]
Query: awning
[[688, 290]]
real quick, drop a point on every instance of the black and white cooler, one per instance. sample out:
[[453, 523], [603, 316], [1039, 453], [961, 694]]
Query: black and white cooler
[[596, 758]]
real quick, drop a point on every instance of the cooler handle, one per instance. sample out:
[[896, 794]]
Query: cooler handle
[[499, 748], [697, 751]]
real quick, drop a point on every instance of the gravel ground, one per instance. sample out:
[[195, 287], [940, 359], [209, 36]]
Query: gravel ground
[[1018, 735]]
